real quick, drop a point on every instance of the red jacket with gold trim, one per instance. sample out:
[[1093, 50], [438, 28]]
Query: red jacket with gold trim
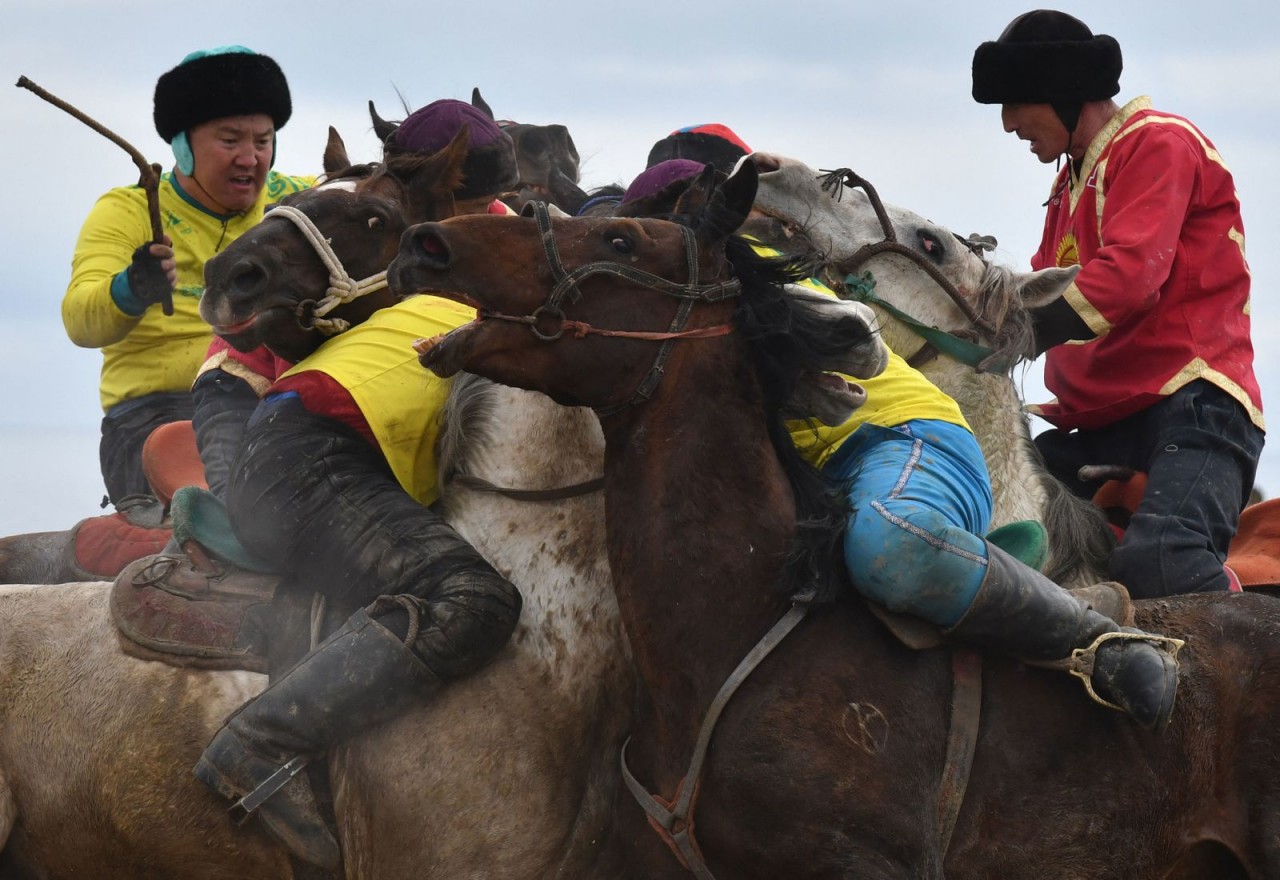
[[1153, 220]]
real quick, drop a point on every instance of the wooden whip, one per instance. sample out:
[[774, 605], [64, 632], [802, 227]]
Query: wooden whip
[[149, 173]]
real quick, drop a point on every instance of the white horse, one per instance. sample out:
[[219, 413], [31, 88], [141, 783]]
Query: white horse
[[507, 774], [991, 309]]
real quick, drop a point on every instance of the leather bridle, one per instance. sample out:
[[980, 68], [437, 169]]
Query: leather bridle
[[548, 322]]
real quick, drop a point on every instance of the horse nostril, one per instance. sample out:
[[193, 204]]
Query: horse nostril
[[247, 278]]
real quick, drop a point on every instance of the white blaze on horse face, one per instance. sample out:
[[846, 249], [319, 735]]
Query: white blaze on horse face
[[344, 185]]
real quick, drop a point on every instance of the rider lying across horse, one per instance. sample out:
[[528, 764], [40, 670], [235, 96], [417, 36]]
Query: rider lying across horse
[[333, 484], [921, 502]]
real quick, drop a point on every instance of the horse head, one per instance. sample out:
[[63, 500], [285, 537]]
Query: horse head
[[918, 274], [594, 322], [290, 285], [541, 150], [571, 307]]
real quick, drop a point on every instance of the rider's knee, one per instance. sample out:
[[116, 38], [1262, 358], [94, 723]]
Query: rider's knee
[[914, 562]]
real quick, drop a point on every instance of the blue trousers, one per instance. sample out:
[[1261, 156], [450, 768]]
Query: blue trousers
[[921, 497]]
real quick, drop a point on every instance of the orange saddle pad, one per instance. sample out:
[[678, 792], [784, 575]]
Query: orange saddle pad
[[1255, 550], [171, 460]]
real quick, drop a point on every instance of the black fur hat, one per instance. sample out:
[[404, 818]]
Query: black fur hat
[[230, 81], [1046, 57]]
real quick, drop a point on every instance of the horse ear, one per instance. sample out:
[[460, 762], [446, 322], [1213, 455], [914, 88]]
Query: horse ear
[[480, 104], [433, 179], [381, 128], [1039, 289], [730, 205], [335, 153], [694, 200]]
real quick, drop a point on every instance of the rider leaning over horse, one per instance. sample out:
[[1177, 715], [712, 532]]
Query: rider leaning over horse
[[220, 110], [921, 502], [333, 484], [1158, 373]]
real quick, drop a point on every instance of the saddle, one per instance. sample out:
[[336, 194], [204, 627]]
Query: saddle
[[208, 606], [101, 546]]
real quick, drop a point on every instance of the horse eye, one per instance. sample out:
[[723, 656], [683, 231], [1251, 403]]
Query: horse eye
[[620, 244], [932, 245], [376, 223]]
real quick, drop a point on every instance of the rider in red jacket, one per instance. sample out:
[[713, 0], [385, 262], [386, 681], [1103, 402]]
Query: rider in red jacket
[[1156, 373]]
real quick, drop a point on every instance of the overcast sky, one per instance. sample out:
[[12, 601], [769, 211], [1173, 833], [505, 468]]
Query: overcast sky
[[880, 87]]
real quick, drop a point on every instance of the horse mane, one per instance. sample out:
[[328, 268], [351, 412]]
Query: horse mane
[[1078, 529], [785, 341], [468, 421], [999, 305]]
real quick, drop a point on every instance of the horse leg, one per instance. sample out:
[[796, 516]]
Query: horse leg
[[36, 558]]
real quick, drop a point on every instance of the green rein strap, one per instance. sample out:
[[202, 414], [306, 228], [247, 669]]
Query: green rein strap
[[862, 289]]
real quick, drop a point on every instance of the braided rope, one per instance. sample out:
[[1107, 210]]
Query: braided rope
[[342, 287]]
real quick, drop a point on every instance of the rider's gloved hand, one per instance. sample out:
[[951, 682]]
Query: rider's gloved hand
[[148, 279]]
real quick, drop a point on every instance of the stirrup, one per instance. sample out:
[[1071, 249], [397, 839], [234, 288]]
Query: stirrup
[[1081, 662], [242, 809]]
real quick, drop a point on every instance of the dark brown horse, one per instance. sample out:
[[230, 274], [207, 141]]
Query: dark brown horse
[[828, 760], [251, 298]]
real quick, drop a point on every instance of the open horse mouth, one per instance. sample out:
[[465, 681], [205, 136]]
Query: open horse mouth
[[248, 333]]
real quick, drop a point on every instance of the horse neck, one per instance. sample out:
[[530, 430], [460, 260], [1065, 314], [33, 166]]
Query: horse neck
[[993, 409], [699, 517], [570, 619]]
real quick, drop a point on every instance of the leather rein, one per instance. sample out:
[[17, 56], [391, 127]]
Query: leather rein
[[936, 340], [548, 322]]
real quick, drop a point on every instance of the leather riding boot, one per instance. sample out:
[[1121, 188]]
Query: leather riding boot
[[1020, 612], [362, 675]]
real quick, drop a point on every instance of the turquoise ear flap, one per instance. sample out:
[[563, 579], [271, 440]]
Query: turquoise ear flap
[[185, 160]]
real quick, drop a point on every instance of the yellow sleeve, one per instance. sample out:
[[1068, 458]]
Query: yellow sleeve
[[116, 226]]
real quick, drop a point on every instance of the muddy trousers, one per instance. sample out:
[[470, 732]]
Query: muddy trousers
[[316, 498]]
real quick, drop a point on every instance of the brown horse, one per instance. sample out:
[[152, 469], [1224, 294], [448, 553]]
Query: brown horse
[[828, 760]]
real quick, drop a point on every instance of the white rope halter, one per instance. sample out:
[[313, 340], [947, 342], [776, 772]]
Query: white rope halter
[[342, 287]]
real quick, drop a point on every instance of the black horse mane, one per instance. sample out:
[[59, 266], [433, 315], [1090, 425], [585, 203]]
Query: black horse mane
[[785, 341]]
